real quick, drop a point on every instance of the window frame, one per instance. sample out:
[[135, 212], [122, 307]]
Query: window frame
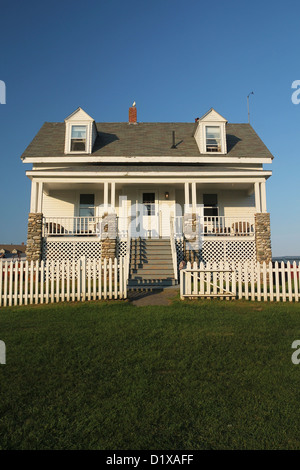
[[213, 207], [149, 206], [76, 139], [87, 206], [220, 146]]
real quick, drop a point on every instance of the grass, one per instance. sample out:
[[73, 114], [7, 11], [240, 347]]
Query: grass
[[109, 375]]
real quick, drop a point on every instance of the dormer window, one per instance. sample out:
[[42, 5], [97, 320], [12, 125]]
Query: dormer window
[[78, 139], [213, 139], [210, 134], [80, 134]]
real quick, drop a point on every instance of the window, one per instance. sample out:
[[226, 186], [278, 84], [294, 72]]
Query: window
[[78, 139], [213, 139], [87, 205], [149, 203], [210, 202]]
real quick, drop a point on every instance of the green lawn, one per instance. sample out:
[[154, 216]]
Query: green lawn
[[109, 375]]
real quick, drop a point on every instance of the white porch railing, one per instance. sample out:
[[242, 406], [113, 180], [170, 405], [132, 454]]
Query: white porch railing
[[81, 226], [91, 226], [71, 226], [219, 226]]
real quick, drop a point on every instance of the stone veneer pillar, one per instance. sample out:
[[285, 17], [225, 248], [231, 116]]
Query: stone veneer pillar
[[109, 236], [263, 237], [34, 237]]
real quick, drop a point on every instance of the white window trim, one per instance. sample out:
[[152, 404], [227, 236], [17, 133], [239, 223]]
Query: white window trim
[[69, 126], [222, 135]]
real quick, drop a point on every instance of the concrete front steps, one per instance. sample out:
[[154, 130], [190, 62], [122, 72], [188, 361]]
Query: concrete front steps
[[151, 263]]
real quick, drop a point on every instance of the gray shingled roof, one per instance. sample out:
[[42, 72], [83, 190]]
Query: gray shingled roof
[[146, 139]]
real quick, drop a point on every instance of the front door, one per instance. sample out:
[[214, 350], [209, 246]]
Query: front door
[[150, 215]]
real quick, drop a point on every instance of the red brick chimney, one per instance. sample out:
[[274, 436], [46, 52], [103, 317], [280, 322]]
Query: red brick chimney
[[132, 114]]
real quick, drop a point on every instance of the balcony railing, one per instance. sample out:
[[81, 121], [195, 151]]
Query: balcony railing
[[92, 226]]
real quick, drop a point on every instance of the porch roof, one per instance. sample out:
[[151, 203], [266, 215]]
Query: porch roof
[[146, 139]]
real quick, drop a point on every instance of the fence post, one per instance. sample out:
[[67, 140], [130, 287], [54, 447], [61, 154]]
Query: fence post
[[289, 281], [258, 280], [283, 282], [16, 282], [277, 289], [21, 282], [295, 281], [271, 282], [265, 284], [37, 273], [10, 296], [1, 280], [233, 278], [83, 278], [182, 284]]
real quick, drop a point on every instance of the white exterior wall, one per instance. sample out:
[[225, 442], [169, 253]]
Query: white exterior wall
[[66, 203], [59, 204], [235, 203]]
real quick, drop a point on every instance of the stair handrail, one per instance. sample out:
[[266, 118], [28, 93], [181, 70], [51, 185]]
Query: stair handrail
[[173, 248]]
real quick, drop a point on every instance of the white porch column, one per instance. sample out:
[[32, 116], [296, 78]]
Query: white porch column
[[186, 197], [194, 197], [263, 197], [33, 199], [113, 196], [40, 198], [257, 197], [105, 201]]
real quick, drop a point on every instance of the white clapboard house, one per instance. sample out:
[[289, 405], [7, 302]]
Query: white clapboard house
[[147, 190]]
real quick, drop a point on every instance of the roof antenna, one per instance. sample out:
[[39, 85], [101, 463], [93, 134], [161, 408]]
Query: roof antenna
[[248, 106]]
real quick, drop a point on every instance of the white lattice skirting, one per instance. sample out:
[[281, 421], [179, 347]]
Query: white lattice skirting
[[71, 250], [211, 251], [228, 251], [222, 251], [214, 251]]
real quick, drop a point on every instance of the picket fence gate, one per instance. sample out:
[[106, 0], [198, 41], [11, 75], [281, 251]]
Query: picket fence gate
[[23, 282], [250, 281]]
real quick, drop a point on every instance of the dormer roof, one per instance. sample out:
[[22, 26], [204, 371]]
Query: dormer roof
[[212, 115], [79, 115]]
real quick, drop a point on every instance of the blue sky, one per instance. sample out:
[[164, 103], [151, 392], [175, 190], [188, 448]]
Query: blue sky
[[175, 59]]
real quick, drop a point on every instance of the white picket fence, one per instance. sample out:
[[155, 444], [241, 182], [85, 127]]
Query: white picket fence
[[23, 283], [250, 281]]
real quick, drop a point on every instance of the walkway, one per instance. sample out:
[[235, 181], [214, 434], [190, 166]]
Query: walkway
[[141, 298]]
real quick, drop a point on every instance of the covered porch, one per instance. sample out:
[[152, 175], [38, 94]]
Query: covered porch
[[148, 209]]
